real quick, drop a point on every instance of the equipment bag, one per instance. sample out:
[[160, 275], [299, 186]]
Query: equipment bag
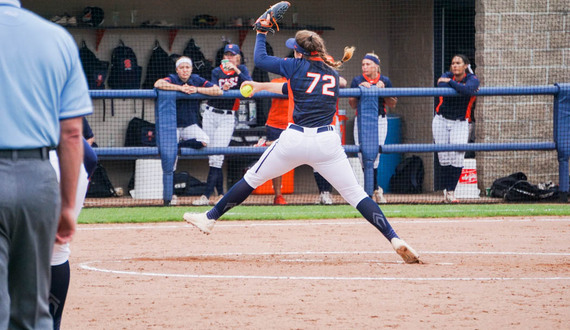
[[95, 70], [500, 186], [187, 185], [100, 185], [160, 65], [140, 133], [408, 177], [202, 66], [125, 72]]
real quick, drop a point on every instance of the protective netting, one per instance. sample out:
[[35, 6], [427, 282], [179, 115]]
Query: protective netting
[[131, 45]]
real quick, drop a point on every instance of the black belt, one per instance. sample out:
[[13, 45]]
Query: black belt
[[459, 119], [15, 154], [382, 116], [220, 111], [319, 130]]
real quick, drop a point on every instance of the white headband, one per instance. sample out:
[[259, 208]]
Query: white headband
[[183, 60], [469, 68]]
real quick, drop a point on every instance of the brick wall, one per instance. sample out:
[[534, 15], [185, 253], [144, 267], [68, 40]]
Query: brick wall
[[519, 42]]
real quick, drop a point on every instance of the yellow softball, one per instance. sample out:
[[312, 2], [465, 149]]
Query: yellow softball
[[246, 90]]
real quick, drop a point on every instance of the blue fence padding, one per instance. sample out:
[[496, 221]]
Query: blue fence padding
[[165, 115], [127, 151], [562, 136], [344, 92], [123, 94], [166, 138], [368, 122], [418, 147], [136, 152]]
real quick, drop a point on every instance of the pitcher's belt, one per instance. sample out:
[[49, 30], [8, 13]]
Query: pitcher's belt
[[306, 129]]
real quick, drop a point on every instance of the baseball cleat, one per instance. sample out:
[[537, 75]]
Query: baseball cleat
[[405, 251], [279, 200], [449, 197], [325, 198], [203, 200], [200, 221], [379, 196]]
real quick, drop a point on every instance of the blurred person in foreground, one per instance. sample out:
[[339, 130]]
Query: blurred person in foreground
[[41, 106]]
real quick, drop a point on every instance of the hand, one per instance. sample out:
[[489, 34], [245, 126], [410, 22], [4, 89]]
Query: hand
[[230, 66], [380, 84], [443, 80], [66, 226], [187, 89], [255, 87], [226, 86], [365, 84]]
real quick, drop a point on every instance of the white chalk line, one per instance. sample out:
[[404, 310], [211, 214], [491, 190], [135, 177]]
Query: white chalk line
[[88, 266], [291, 223]]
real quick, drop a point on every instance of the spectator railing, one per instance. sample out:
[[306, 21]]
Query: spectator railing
[[167, 150]]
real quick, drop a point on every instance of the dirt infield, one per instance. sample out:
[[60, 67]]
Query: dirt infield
[[479, 274]]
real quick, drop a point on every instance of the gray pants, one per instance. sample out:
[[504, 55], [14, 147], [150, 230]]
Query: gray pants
[[29, 214]]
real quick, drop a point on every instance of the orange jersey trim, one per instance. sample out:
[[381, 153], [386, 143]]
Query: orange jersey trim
[[469, 108], [236, 105], [439, 105], [372, 81]]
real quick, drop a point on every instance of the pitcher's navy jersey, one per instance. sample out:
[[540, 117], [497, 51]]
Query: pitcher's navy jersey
[[220, 77], [187, 110], [458, 107], [387, 83], [313, 84]]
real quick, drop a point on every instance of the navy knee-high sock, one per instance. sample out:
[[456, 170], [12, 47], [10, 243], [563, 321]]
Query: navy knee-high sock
[[371, 212], [322, 183], [375, 178], [220, 181], [235, 196], [211, 181], [455, 174], [58, 292], [446, 177]]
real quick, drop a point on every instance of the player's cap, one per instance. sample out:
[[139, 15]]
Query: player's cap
[[232, 48], [292, 44]]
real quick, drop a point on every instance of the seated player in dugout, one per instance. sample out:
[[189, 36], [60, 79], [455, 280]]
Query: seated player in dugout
[[189, 133]]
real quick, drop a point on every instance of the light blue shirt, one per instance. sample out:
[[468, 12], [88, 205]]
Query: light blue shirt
[[42, 79]]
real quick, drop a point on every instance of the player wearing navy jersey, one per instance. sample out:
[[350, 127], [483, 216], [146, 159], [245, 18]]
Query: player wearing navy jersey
[[189, 132], [372, 77], [451, 123], [310, 139], [219, 117]]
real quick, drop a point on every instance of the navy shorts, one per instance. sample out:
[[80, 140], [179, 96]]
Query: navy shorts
[[272, 133]]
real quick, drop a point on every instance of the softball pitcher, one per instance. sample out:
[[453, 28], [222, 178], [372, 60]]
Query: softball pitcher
[[310, 139], [451, 122]]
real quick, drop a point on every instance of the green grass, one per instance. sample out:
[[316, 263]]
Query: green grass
[[296, 212]]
